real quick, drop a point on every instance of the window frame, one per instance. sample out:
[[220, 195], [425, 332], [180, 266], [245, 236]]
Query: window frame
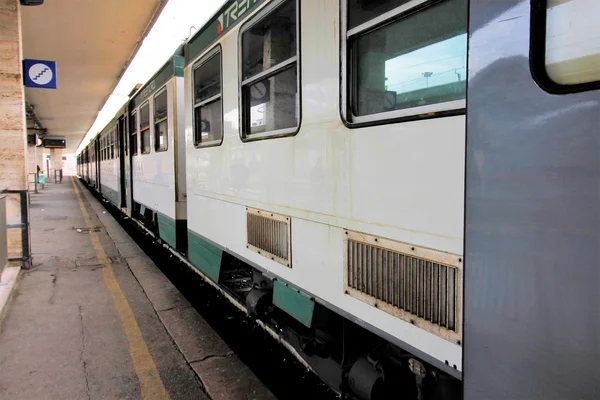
[[133, 115], [537, 55], [437, 110], [142, 152], [163, 89], [270, 72], [216, 50]]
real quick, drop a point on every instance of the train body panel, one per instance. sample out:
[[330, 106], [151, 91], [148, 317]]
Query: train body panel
[[532, 316], [155, 178]]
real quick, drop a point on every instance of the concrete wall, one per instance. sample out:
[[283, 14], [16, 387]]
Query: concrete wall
[[13, 151]]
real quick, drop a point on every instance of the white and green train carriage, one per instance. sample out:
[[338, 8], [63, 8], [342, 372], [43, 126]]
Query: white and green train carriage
[[309, 157]]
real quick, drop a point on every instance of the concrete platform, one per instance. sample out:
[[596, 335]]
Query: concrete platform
[[95, 318]]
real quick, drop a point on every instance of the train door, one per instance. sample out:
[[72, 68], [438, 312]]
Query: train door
[[86, 164], [180, 167], [97, 161], [131, 122], [532, 226], [123, 161]]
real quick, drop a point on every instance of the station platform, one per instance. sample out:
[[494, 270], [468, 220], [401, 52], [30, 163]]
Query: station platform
[[94, 317]]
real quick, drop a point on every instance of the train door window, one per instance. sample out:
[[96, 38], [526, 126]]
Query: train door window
[[566, 45], [403, 59], [161, 123], [270, 105], [145, 128], [208, 106], [117, 141], [133, 130], [111, 136]]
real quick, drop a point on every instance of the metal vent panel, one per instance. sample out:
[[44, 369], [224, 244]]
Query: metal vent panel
[[419, 285], [269, 235]]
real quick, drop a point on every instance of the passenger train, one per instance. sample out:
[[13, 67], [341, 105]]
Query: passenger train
[[406, 191]]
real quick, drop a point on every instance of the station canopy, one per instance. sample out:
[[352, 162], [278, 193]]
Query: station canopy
[[92, 43]]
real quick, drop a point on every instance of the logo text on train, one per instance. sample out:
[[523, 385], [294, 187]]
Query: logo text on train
[[233, 13]]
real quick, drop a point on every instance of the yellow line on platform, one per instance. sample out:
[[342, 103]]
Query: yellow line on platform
[[150, 382]]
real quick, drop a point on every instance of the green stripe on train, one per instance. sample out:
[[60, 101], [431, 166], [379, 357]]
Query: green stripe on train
[[167, 230], [110, 194], [205, 256], [294, 302]]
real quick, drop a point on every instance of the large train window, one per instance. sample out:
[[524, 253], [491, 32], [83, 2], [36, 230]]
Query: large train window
[[566, 45], [270, 104], [161, 122], [404, 59], [208, 106], [145, 127], [133, 130]]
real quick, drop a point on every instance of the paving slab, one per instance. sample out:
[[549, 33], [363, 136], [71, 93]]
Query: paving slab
[[227, 378]]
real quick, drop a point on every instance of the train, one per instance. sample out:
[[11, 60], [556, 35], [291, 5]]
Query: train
[[404, 191]]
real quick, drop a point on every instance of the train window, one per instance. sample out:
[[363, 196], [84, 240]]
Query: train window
[[145, 128], [269, 73], [208, 106], [161, 123], [570, 49], [116, 133], [133, 130], [404, 59], [111, 136]]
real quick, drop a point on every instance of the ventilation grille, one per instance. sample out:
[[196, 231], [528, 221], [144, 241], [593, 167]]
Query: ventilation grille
[[421, 286], [269, 235]]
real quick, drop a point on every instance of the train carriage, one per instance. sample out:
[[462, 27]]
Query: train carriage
[[157, 154], [319, 162], [280, 180]]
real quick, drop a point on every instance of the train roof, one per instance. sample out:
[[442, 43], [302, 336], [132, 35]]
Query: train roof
[[172, 68]]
